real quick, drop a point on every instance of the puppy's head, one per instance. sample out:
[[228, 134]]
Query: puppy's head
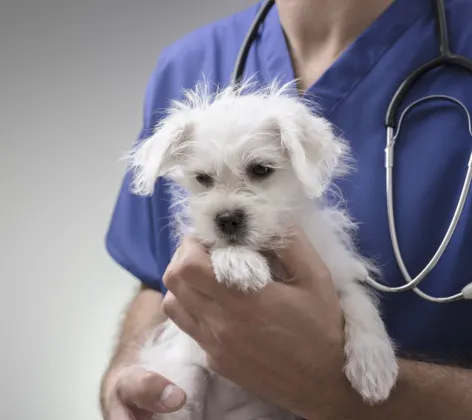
[[247, 161]]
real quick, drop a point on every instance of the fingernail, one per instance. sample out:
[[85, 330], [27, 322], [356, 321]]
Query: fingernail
[[172, 396]]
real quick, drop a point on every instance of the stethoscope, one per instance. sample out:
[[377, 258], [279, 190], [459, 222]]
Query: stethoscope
[[446, 57]]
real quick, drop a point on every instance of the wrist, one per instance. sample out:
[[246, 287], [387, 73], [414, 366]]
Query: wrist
[[334, 402], [327, 387]]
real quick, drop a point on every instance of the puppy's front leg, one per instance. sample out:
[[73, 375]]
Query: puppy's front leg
[[240, 267], [371, 363]]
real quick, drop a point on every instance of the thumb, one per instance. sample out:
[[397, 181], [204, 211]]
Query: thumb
[[138, 387], [300, 260]]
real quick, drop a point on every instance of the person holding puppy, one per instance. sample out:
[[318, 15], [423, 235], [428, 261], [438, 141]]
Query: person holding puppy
[[350, 55]]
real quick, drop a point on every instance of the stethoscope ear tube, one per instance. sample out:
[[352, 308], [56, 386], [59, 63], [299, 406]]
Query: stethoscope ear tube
[[238, 72]]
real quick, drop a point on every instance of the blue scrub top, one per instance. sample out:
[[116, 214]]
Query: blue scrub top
[[431, 157]]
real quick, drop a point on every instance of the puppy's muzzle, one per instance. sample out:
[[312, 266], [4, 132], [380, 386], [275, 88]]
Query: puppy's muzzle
[[231, 223]]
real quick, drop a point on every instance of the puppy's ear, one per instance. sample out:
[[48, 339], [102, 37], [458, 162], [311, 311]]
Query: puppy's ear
[[161, 153], [316, 153]]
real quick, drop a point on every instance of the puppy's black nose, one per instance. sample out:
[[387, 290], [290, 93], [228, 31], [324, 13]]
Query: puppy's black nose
[[230, 222]]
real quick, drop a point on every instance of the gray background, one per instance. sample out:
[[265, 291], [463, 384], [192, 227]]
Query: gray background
[[72, 80]]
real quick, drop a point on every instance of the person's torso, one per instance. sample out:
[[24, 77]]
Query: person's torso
[[432, 151]]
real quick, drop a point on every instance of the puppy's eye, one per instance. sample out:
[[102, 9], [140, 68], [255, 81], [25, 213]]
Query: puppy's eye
[[259, 171], [204, 179]]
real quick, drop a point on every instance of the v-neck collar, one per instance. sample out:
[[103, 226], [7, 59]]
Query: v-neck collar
[[353, 64]]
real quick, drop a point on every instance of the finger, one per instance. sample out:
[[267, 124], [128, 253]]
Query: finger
[[178, 314], [190, 260], [300, 260], [191, 249], [145, 390], [193, 301], [187, 295], [192, 265]]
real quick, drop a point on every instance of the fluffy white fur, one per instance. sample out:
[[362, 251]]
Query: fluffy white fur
[[221, 135]]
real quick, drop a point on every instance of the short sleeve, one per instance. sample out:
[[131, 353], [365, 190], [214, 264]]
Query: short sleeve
[[139, 237]]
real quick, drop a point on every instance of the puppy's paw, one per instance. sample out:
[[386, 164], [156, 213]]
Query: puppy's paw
[[371, 366], [242, 268]]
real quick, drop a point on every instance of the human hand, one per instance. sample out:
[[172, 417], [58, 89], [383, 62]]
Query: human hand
[[283, 344], [137, 394]]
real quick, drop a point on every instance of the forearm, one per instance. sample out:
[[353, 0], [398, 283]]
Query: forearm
[[142, 315], [424, 391]]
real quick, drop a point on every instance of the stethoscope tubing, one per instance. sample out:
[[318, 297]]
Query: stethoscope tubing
[[445, 58]]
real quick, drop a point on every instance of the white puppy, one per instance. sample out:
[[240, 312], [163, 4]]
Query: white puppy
[[249, 164]]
